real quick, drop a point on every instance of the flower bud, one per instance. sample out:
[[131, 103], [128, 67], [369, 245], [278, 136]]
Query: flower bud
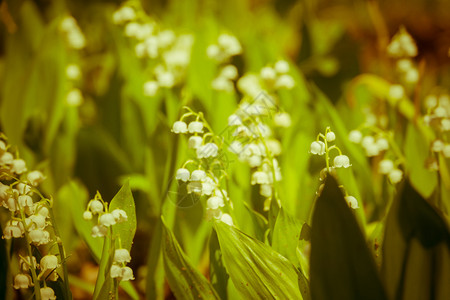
[[352, 202], [87, 215]]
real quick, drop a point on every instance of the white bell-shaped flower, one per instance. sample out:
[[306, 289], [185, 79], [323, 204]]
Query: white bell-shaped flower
[[179, 127], [198, 175], [47, 293], [22, 281], [96, 206], [207, 150], [194, 187], [285, 82], [330, 136], [13, 229], [352, 202], [183, 174], [317, 147], [195, 141], [127, 274], [355, 136], [115, 271], [99, 231], [39, 236], [49, 262], [18, 166], [195, 127], [227, 219], [214, 202], [106, 219], [282, 119], [38, 221], [385, 166], [437, 146], [281, 66], [342, 161], [35, 177], [395, 176], [87, 215], [151, 88], [119, 215], [268, 73], [234, 120], [260, 177], [122, 256]]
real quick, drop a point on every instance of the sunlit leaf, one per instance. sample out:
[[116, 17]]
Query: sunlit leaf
[[185, 281], [257, 271]]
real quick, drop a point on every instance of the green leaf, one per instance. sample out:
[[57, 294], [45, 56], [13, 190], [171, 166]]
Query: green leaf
[[185, 281], [286, 235], [341, 265], [126, 230], [257, 271], [416, 152], [104, 281], [76, 195], [418, 219], [416, 256], [217, 272]]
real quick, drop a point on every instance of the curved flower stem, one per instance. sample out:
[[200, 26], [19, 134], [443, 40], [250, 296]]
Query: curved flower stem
[[61, 255], [37, 286]]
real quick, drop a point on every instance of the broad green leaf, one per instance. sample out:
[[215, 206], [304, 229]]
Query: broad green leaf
[[185, 281], [341, 264], [416, 256], [257, 271], [76, 196], [217, 272], [286, 235], [418, 219], [126, 230], [416, 152]]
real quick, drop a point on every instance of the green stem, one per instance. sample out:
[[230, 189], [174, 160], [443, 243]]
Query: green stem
[[61, 255], [37, 287]]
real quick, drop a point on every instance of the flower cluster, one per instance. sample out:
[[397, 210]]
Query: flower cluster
[[30, 219], [103, 228], [403, 48], [119, 269], [226, 47], [323, 146], [72, 33], [269, 79], [377, 143], [438, 118], [402, 45], [74, 96], [253, 127], [207, 170], [105, 218], [169, 53]]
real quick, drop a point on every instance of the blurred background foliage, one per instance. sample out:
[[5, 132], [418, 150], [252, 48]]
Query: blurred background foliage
[[119, 133]]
